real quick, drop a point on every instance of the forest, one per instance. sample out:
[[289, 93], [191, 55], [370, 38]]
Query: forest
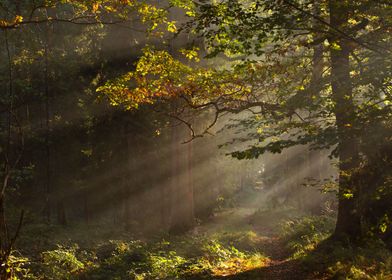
[[195, 139]]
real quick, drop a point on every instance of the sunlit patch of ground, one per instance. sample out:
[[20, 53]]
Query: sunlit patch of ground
[[237, 265], [251, 231]]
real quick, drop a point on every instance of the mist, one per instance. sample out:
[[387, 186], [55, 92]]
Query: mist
[[195, 140]]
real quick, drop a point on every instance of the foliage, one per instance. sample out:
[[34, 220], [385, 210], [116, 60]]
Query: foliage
[[87, 13], [226, 261], [177, 258], [274, 74], [61, 263], [368, 261], [159, 76], [309, 241], [16, 267], [165, 259], [304, 234]]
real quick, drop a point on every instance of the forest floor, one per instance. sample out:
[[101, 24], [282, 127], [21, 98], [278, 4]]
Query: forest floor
[[268, 238], [236, 243]]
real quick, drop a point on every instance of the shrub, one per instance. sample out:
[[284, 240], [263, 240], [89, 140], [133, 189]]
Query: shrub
[[302, 235], [372, 262], [16, 267], [61, 263]]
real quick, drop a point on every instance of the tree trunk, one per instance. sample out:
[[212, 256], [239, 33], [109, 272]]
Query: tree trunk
[[47, 206], [86, 209], [127, 162], [182, 214], [316, 84], [61, 215], [164, 174], [3, 227], [7, 153], [348, 222], [189, 184], [175, 213]]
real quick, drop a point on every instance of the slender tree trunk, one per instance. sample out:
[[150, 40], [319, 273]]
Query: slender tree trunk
[[318, 57], [182, 213], [164, 187], [126, 184], [174, 182], [61, 213], [7, 151], [348, 222], [86, 209], [47, 207], [189, 185]]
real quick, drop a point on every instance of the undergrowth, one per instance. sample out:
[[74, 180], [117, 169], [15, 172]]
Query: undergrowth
[[308, 240], [203, 256], [302, 235], [183, 257]]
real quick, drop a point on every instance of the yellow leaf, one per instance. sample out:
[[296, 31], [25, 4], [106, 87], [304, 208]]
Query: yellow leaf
[[336, 46], [348, 195], [18, 19], [171, 27], [95, 7], [383, 227]]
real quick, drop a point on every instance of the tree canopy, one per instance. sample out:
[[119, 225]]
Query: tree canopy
[[311, 72]]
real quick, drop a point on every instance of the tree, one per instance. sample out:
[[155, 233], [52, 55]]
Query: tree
[[271, 46]]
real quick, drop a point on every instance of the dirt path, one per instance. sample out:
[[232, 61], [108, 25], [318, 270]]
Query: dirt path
[[266, 228], [279, 267]]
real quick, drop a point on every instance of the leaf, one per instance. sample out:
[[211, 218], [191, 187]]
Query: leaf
[[95, 7], [348, 195], [171, 27], [383, 227]]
